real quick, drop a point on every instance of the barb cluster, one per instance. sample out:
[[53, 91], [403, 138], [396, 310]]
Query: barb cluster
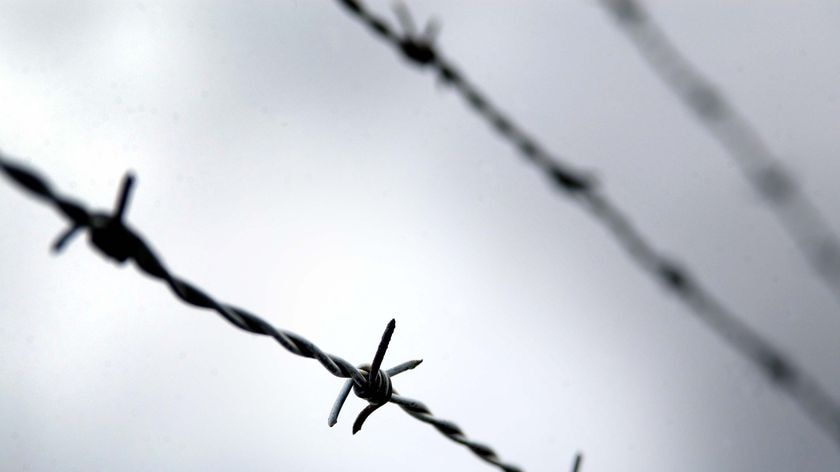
[[377, 388], [782, 372], [800, 218], [110, 234]]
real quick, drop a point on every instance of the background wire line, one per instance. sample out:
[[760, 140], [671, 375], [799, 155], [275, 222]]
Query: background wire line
[[778, 368], [115, 239], [809, 230], [577, 462]]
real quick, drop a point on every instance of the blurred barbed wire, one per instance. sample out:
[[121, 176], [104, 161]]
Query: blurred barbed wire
[[800, 218], [577, 462], [779, 369], [111, 235]]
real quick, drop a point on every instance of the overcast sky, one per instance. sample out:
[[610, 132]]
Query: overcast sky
[[290, 163]]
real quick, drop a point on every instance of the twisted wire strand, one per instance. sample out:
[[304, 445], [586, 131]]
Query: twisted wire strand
[[451, 430], [114, 238], [803, 389], [797, 214]]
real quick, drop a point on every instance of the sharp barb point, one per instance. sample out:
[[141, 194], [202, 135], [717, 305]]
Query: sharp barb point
[[65, 237], [124, 196], [380, 351]]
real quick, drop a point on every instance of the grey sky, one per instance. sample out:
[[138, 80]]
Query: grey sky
[[290, 163]]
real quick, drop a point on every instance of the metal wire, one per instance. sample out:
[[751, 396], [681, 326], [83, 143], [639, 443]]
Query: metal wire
[[777, 367], [800, 218], [114, 238]]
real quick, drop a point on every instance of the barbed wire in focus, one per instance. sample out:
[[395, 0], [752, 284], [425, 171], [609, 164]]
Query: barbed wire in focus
[[111, 235], [777, 367], [800, 218]]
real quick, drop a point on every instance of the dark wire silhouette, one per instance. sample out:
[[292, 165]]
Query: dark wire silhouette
[[578, 461], [777, 367], [800, 218], [115, 239]]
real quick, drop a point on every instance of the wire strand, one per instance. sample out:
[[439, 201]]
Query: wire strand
[[778, 368], [115, 239], [799, 217]]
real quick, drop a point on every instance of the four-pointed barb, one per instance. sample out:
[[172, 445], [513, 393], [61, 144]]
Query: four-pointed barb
[[376, 385]]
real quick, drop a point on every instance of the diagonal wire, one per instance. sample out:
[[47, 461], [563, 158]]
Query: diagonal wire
[[115, 239], [777, 367], [577, 462], [799, 216]]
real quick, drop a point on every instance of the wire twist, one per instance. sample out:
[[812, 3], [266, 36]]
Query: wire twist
[[110, 234], [798, 215], [778, 368]]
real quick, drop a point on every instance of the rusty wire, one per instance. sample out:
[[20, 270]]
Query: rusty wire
[[111, 235], [799, 216], [805, 391]]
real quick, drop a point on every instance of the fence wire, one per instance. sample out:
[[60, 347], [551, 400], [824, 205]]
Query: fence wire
[[781, 371], [809, 230], [577, 462], [110, 234]]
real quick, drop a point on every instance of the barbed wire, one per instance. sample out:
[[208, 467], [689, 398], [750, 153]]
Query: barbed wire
[[799, 217], [778, 368], [111, 235]]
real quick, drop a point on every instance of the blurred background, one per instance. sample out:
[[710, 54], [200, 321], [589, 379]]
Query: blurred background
[[291, 163]]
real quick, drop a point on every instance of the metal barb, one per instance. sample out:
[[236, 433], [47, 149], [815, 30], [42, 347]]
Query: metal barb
[[380, 351], [339, 402], [124, 196], [406, 21], [431, 32], [348, 386], [418, 48], [409, 28], [363, 415], [115, 247], [376, 387], [403, 367], [64, 238]]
